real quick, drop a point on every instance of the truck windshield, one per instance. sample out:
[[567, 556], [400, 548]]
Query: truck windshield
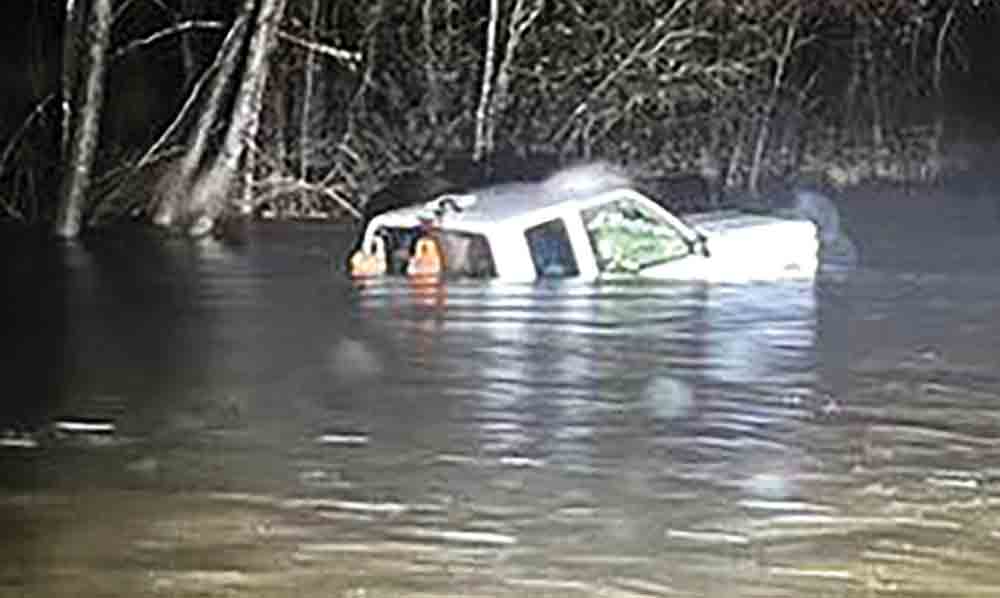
[[628, 236]]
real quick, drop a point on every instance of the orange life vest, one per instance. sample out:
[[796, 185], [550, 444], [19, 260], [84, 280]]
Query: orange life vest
[[427, 259], [369, 263]]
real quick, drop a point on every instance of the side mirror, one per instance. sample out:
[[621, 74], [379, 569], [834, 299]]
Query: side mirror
[[701, 245]]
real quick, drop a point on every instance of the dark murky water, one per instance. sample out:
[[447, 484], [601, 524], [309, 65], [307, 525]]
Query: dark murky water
[[260, 428]]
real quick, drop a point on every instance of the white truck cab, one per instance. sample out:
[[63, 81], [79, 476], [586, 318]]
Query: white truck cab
[[523, 232]]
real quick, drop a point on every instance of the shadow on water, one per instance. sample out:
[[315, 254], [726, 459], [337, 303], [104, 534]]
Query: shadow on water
[[261, 427]]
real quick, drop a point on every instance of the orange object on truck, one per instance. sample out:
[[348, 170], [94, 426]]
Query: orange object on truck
[[370, 261], [427, 258]]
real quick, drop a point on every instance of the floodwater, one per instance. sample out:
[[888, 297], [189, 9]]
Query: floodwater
[[236, 420]]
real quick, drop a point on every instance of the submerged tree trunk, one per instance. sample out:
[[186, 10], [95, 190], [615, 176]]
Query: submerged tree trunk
[[481, 147], [210, 196], [76, 180], [177, 187]]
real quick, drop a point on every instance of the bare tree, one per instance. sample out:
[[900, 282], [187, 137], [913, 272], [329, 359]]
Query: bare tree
[[178, 183], [85, 132], [524, 13], [210, 196], [307, 113], [434, 91], [937, 138], [481, 145], [781, 60], [649, 84], [72, 34], [647, 71], [873, 74]]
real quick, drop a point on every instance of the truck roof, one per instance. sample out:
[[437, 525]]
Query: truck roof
[[495, 204]]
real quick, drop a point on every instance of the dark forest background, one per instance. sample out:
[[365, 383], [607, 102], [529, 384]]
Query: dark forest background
[[182, 111]]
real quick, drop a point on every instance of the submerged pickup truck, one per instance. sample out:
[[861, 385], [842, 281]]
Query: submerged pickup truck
[[585, 227]]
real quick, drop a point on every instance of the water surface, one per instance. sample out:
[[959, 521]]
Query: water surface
[[263, 428]]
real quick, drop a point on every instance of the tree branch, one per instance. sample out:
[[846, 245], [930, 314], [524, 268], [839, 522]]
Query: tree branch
[[123, 7], [520, 21], [278, 185], [939, 48], [15, 139], [173, 30], [189, 102], [608, 79], [351, 58]]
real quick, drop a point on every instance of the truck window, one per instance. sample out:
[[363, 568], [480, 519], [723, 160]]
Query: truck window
[[628, 236], [467, 255], [551, 250]]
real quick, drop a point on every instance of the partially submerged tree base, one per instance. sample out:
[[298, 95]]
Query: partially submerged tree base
[[208, 200], [170, 190], [193, 201], [81, 153], [191, 208]]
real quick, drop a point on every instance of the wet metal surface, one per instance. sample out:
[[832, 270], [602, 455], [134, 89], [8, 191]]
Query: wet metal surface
[[235, 420]]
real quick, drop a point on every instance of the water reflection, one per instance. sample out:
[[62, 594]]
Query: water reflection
[[650, 389]]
